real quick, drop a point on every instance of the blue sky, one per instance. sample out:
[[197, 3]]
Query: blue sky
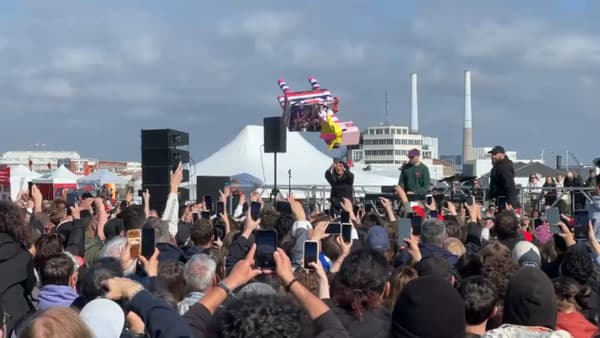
[[88, 75]]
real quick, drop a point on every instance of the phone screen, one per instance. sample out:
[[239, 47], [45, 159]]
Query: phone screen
[[347, 232], [283, 207], [134, 237], [195, 217], [255, 210], [429, 199], [416, 223], [433, 214], [581, 232], [345, 217], [220, 208], [266, 244], [581, 218], [311, 253], [205, 215], [333, 228], [553, 217], [148, 242], [208, 202], [403, 229]]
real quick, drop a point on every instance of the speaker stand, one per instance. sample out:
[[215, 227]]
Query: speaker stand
[[274, 192]]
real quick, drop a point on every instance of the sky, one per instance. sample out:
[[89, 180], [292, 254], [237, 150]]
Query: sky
[[89, 75]]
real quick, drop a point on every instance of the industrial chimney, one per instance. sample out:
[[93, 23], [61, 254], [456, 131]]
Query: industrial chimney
[[414, 105], [468, 127]]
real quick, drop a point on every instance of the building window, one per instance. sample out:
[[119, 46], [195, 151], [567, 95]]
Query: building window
[[378, 131]]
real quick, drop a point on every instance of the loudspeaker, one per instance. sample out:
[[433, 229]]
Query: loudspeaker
[[160, 175], [210, 185], [164, 138], [275, 135], [164, 157]]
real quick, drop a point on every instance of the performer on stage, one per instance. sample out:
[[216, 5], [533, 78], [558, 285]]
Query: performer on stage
[[502, 178], [341, 180], [414, 178]]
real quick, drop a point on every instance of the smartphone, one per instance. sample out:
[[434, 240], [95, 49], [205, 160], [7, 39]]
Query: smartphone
[[195, 217], [220, 208], [501, 203], [416, 223], [134, 237], [429, 199], [433, 214], [344, 217], [403, 229], [537, 222], [553, 217], [347, 232], [148, 242], [356, 209], [581, 218], [581, 232], [205, 215], [219, 233], [266, 244], [255, 210], [208, 202], [311, 253], [283, 207], [334, 229]]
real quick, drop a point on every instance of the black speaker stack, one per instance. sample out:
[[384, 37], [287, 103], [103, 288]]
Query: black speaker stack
[[275, 141], [161, 153]]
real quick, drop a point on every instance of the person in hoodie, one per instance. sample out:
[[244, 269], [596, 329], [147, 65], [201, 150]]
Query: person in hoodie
[[530, 307], [415, 178], [433, 235], [17, 277], [502, 177], [58, 280]]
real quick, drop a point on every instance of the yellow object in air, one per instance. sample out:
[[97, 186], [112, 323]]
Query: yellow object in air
[[330, 127]]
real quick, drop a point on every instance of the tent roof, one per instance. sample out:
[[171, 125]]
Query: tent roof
[[22, 171], [102, 176], [59, 175], [245, 154]]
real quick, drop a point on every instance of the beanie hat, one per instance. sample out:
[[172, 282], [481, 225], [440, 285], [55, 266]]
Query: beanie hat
[[104, 317], [530, 299], [378, 239], [429, 307], [526, 254], [434, 266], [257, 288]]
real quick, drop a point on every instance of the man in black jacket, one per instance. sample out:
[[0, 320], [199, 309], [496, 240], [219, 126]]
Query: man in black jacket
[[341, 180], [502, 177]]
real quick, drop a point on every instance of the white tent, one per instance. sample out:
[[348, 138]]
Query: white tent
[[19, 177], [101, 177], [244, 154], [60, 175]]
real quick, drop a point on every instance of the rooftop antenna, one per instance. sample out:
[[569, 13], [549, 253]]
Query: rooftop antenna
[[386, 108]]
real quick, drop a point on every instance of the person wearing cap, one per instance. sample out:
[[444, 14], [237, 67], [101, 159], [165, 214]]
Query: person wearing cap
[[414, 178], [502, 177], [526, 254]]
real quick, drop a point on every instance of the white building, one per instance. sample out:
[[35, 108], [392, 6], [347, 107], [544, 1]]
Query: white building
[[391, 144], [430, 145], [39, 158]]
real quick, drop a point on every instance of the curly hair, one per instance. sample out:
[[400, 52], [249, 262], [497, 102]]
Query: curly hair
[[480, 299], [497, 265], [309, 279], [506, 225], [263, 316], [578, 266], [570, 293], [12, 223], [89, 282], [202, 232], [46, 246], [360, 282]]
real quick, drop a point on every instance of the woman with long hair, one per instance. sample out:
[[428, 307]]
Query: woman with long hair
[[572, 299], [549, 191]]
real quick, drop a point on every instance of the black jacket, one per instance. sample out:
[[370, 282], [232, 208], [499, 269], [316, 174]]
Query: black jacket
[[341, 186], [374, 324], [160, 319], [169, 252], [502, 182], [17, 279]]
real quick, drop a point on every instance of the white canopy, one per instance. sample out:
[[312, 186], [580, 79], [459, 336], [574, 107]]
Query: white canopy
[[244, 154], [60, 175], [101, 177], [20, 175]]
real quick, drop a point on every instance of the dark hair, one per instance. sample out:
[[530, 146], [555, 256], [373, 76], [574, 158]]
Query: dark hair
[[57, 270], [268, 219], [201, 232], [506, 225], [284, 225], [309, 279], [569, 292], [47, 246], [263, 316], [400, 278], [497, 265], [12, 222], [480, 299], [469, 265], [331, 248], [133, 217], [89, 283], [454, 229], [577, 265], [361, 280], [170, 274]]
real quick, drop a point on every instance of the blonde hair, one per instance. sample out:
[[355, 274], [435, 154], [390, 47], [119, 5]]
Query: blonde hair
[[59, 322], [455, 246]]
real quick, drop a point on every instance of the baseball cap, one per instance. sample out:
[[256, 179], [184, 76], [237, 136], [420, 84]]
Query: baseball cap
[[525, 254], [378, 239], [104, 318], [414, 153], [497, 150]]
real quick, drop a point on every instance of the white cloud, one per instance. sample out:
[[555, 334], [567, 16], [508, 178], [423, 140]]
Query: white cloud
[[80, 59], [263, 24], [145, 50]]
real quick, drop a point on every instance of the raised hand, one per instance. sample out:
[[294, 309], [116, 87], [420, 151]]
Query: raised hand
[[176, 178]]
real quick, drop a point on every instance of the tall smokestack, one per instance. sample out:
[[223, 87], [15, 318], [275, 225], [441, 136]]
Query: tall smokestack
[[468, 127], [414, 105]]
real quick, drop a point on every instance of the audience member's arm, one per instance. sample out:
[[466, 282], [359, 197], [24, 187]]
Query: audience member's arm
[[171, 213], [403, 197], [299, 236], [329, 176], [323, 280], [346, 247], [349, 208], [159, 318], [146, 196], [389, 210], [101, 218], [36, 195], [239, 248], [76, 243]]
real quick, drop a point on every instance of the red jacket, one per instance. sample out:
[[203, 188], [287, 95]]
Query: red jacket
[[576, 324]]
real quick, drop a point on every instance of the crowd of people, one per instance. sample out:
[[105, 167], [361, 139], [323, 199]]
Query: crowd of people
[[462, 270]]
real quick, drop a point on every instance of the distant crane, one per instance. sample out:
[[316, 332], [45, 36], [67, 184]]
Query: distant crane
[[577, 161]]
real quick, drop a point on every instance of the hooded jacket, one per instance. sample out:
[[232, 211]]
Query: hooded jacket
[[502, 181], [341, 186], [56, 296], [17, 279]]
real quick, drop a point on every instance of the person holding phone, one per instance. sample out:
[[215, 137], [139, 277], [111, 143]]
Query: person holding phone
[[414, 178], [502, 178], [342, 181]]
